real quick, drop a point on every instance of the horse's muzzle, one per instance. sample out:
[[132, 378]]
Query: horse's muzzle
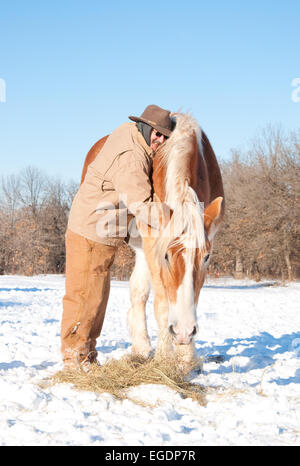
[[182, 337]]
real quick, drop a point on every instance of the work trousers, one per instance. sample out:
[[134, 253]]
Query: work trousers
[[87, 290]]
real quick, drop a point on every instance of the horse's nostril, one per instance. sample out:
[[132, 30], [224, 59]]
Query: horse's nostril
[[172, 331], [182, 336], [194, 331]]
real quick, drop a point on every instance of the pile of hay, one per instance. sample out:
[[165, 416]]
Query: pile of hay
[[117, 376]]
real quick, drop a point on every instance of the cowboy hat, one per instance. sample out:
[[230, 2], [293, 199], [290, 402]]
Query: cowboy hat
[[156, 117]]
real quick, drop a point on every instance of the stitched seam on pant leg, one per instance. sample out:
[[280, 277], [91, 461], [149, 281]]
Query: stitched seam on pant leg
[[83, 294]]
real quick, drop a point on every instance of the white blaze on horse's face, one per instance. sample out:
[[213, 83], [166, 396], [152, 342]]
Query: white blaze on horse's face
[[183, 276], [182, 312]]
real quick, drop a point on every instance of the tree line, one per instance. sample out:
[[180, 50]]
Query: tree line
[[259, 237]]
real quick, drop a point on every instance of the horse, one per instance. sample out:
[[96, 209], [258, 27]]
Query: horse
[[173, 260]]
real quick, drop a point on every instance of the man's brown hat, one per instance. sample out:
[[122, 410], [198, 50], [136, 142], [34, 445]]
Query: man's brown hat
[[156, 117]]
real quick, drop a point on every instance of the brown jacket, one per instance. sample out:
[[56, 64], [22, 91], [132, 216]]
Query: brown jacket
[[116, 184]]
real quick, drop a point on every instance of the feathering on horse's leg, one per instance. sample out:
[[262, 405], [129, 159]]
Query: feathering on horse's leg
[[161, 309], [139, 293], [187, 358]]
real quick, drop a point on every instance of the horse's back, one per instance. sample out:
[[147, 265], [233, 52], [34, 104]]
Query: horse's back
[[91, 155], [213, 169], [210, 177]]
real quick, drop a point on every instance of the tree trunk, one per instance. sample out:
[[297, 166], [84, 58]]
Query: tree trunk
[[238, 272], [288, 266]]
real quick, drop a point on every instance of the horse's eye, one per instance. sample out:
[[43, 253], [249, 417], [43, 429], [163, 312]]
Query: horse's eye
[[206, 257], [166, 257]]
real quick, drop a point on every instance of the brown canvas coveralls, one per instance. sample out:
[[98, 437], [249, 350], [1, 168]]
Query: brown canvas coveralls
[[123, 166]]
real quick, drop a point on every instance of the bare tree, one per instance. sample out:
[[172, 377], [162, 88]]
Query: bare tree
[[32, 189]]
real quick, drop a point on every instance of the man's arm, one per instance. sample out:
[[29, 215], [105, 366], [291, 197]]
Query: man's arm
[[132, 182]]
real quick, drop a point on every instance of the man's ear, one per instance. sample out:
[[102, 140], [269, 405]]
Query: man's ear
[[212, 217]]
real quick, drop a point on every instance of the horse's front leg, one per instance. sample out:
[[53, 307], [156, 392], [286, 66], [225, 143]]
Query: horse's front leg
[[161, 304], [161, 310], [139, 293]]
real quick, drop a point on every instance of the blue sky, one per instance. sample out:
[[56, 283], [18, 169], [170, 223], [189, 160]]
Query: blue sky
[[74, 71]]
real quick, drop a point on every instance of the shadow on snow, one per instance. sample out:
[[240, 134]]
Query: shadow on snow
[[26, 289], [251, 286], [260, 349]]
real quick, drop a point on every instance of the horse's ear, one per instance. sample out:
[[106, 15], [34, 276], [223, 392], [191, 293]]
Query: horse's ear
[[212, 217]]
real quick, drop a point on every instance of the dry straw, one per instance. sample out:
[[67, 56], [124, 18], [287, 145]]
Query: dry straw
[[117, 376]]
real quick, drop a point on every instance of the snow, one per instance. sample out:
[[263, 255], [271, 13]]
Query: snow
[[253, 394]]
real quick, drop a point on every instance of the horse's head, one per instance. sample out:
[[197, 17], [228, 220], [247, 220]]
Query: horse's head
[[183, 252]]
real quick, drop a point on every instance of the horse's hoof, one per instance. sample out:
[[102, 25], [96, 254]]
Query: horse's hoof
[[144, 353]]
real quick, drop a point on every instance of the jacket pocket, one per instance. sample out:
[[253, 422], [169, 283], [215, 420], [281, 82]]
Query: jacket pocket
[[107, 186]]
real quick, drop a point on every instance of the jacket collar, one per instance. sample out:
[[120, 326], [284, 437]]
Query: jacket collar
[[140, 140]]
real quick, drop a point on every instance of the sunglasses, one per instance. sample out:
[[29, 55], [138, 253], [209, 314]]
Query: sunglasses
[[158, 134]]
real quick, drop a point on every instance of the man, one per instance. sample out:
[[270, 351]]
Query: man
[[117, 186]]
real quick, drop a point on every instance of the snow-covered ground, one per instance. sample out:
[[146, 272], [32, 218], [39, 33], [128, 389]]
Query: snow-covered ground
[[255, 396]]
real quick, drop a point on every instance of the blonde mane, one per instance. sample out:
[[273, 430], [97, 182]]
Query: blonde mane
[[186, 227]]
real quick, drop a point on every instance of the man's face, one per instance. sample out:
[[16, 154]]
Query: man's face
[[156, 139]]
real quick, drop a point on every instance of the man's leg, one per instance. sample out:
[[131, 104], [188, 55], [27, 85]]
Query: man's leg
[[87, 291]]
